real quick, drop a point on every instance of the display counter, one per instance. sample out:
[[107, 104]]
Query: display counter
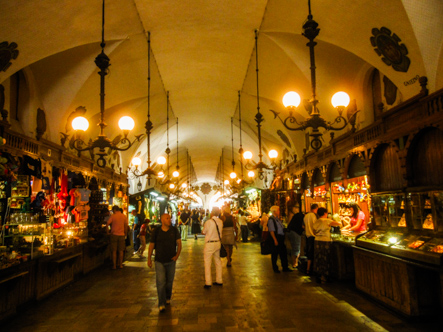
[[412, 289], [36, 279], [342, 255], [17, 286]]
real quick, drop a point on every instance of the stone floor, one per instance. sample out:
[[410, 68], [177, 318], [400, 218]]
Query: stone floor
[[252, 298]]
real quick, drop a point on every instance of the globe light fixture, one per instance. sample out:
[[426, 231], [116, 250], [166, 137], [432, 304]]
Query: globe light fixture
[[291, 100], [126, 123], [176, 174], [80, 123], [136, 161], [247, 155], [273, 154], [102, 143], [161, 160], [251, 174]]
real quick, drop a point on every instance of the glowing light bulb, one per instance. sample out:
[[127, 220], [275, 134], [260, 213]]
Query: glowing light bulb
[[126, 123], [251, 174], [291, 99], [392, 240], [184, 185], [233, 175], [80, 123], [247, 155], [136, 161], [273, 154], [226, 182], [161, 160], [340, 99], [161, 175], [175, 174], [171, 186]]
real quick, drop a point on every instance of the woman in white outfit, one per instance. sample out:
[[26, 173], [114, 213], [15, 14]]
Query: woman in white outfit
[[212, 248]]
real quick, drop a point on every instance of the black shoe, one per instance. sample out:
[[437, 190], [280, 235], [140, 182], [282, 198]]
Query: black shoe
[[217, 284], [276, 271], [287, 270], [207, 286]]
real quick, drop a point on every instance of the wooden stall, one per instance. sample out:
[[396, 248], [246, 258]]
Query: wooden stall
[[408, 226], [392, 169]]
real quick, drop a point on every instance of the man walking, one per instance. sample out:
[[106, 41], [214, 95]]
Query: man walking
[[212, 230], [184, 218], [309, 220], [167, 244], [276, 230]]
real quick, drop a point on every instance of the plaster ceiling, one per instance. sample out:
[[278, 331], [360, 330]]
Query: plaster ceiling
[[203, 53]]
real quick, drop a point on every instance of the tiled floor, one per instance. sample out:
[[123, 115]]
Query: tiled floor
[[252, 298]]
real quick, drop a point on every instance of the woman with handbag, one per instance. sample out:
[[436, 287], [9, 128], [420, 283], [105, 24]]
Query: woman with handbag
[[229, 231], [212, 230]]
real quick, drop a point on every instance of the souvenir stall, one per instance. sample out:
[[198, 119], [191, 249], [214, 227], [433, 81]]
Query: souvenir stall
[[354, 189], [400, 261], [344, 193], [51, 219], [316, 192]]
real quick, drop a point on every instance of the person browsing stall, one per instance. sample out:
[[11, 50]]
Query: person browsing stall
[[309, 220], [118, 224], [276, 231]]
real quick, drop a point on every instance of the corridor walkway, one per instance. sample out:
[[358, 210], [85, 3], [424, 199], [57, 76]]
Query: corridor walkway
[[252, 298]]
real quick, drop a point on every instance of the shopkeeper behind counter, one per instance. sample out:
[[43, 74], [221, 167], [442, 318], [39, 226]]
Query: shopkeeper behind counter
[[358, 219]]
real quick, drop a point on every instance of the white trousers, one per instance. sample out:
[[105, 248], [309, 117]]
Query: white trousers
[[212, 250]]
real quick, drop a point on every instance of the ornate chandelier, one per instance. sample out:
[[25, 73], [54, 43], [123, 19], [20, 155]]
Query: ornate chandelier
[[126, 123], [292, 99], [134, 171], [247, 155]]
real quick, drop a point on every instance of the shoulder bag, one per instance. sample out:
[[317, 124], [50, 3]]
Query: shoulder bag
[[223, 252]]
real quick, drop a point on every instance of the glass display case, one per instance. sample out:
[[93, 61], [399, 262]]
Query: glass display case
[[426, 210], [418, 248], [389, 210], [28, 235], [379, 240], [408, 226], [345, 237]]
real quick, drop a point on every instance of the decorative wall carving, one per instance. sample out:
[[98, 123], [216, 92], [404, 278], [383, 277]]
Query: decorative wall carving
[[41, 123], [8, 52], [389, 48]]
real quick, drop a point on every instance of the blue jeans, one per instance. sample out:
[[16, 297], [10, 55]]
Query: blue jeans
[[135, 239], [165, 273], [295, 240]]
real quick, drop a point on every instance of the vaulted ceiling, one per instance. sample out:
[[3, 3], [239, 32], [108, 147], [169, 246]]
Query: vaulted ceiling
[[203, 53]]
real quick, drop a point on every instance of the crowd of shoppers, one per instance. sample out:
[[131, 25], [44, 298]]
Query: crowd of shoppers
[[222, 229]]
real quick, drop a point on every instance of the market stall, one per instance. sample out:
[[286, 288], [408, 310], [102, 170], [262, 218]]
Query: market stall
[[52, 219], [399, 262]]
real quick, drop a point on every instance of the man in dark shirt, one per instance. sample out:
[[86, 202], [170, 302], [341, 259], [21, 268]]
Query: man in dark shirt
[[167, 243]]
